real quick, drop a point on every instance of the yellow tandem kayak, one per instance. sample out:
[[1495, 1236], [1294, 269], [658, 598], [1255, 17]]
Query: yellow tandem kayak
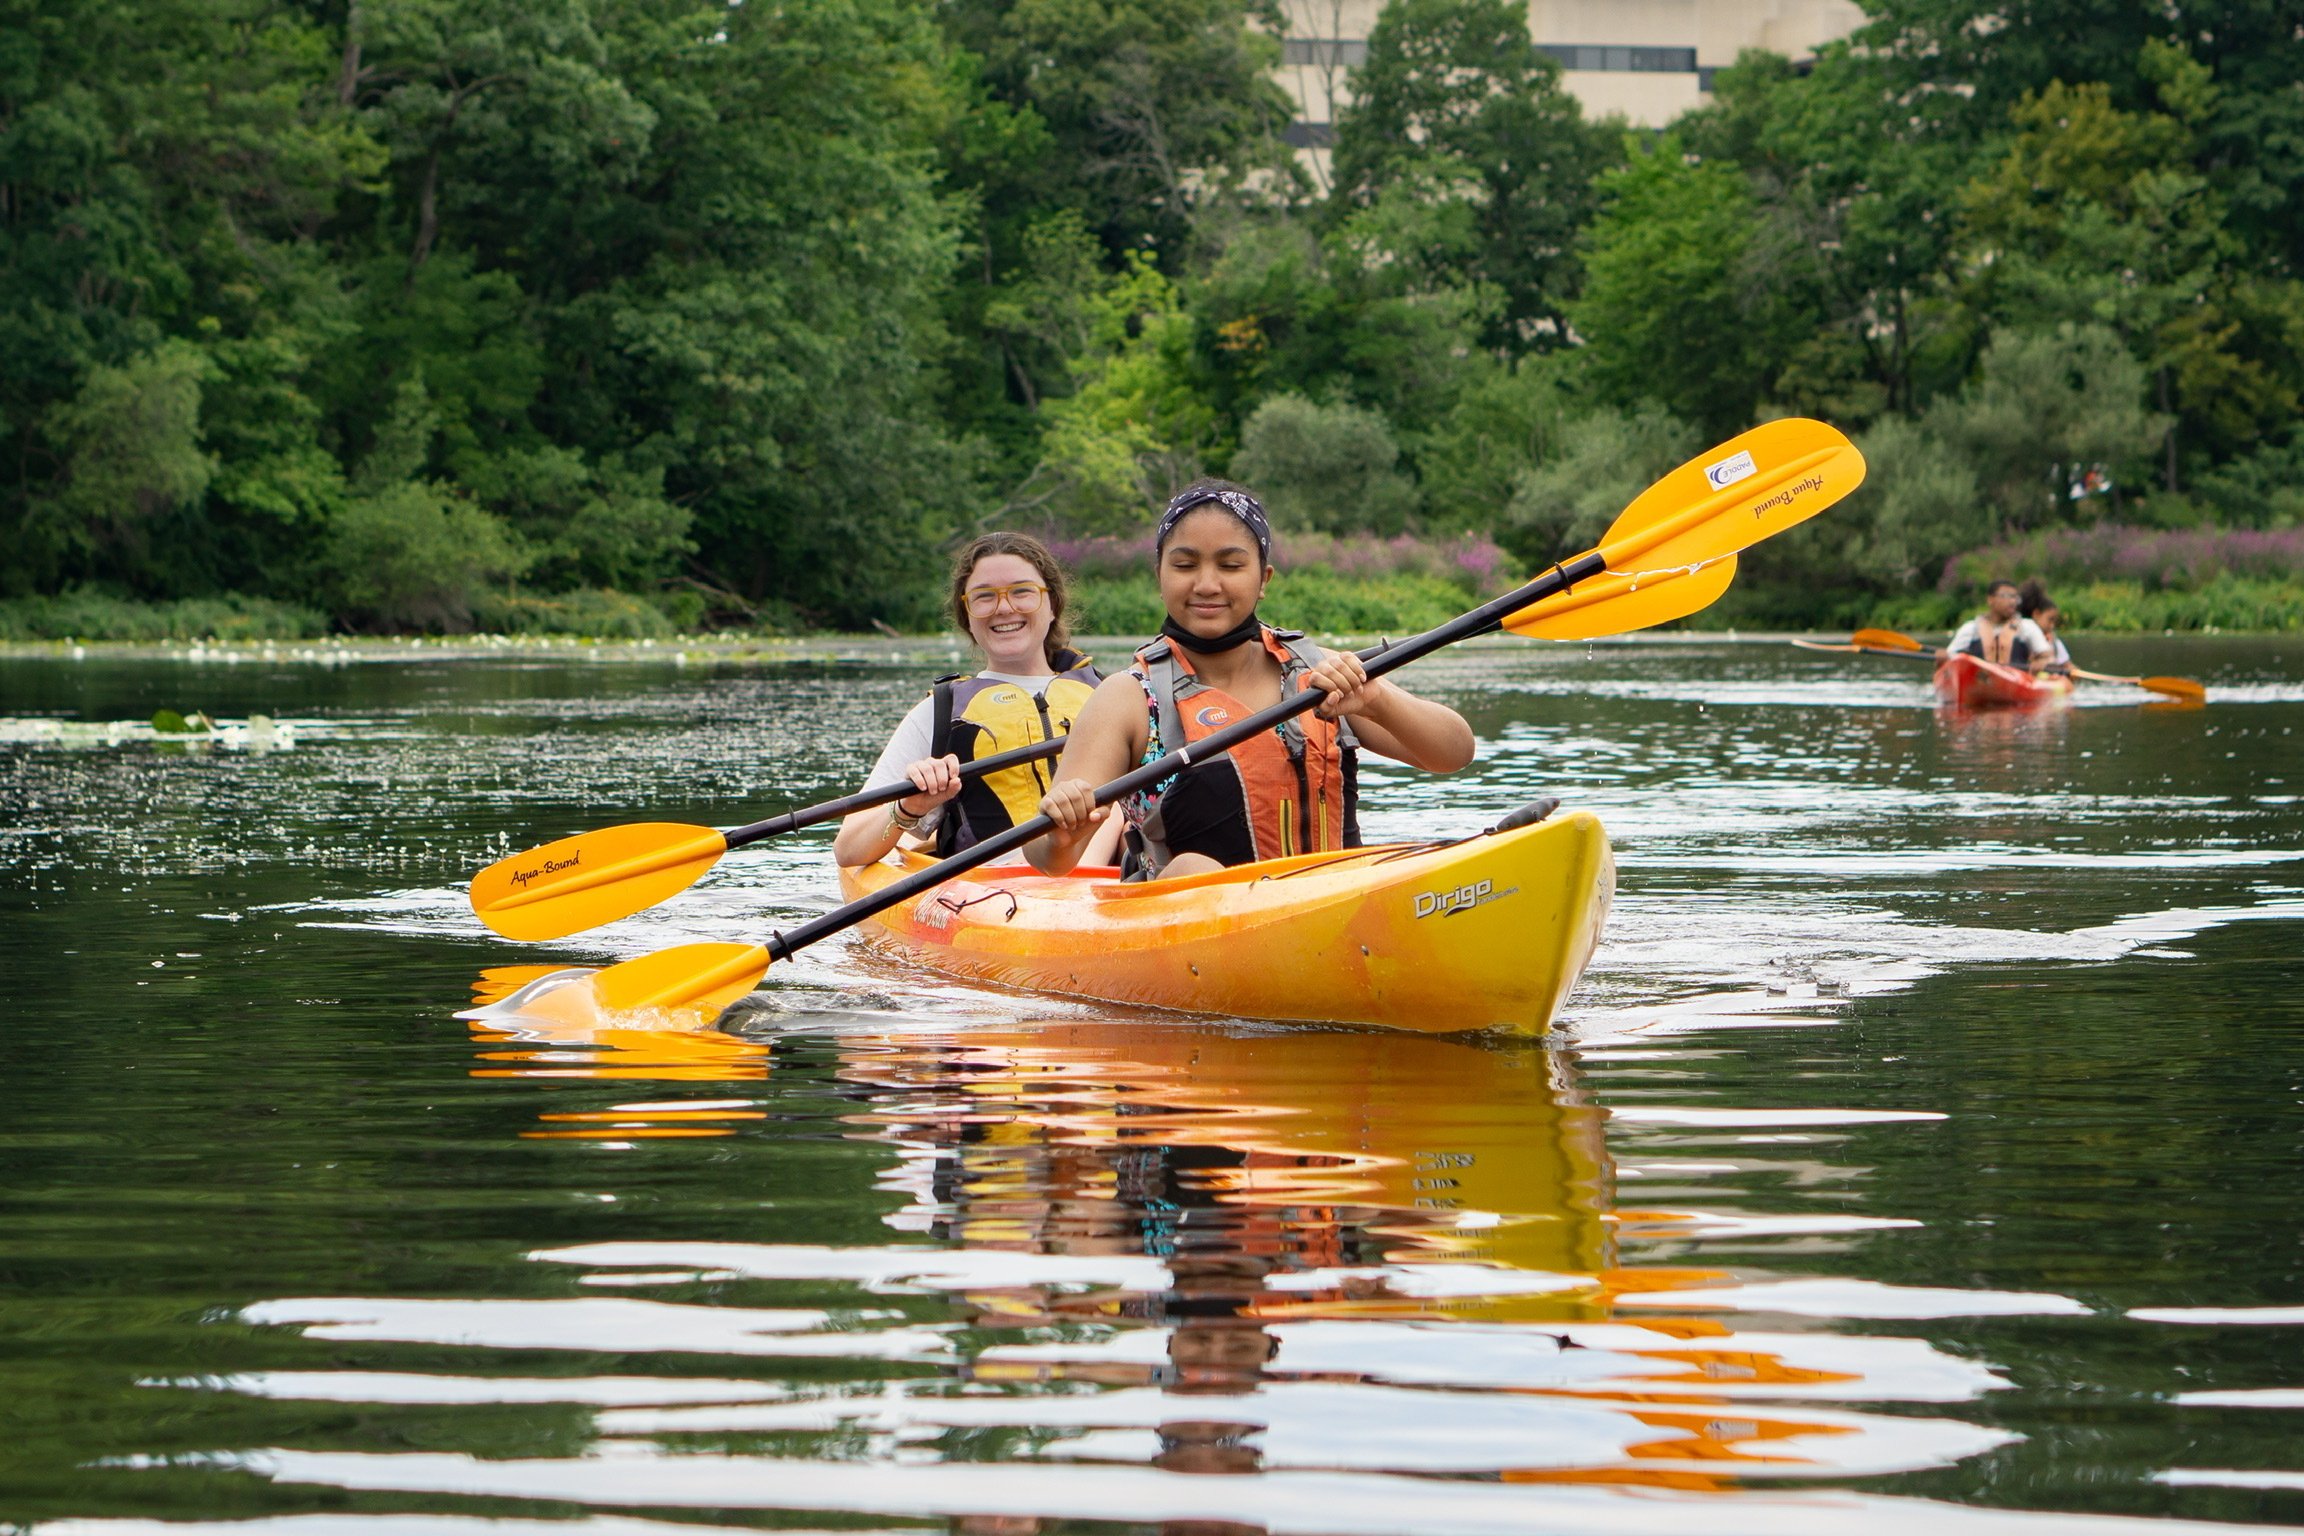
[[1488, 932]]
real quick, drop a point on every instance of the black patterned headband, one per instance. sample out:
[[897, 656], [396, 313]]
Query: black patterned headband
[[1239, 503]]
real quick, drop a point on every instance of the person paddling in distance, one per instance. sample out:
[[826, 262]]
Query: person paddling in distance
[[1009, 596], [2034, 603], [1289, 790], [2001, 633]]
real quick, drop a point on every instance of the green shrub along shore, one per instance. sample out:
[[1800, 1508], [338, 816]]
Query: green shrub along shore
[[1319, 601], [2225, 605]]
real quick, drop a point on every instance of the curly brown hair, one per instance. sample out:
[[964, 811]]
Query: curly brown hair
[[1027, 548]]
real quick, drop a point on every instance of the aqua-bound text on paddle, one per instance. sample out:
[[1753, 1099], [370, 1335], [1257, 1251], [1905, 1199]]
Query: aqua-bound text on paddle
[[1788, 495], [521, 877]]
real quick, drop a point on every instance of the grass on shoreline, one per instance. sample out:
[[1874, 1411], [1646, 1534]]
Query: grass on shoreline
[[1318, 601]]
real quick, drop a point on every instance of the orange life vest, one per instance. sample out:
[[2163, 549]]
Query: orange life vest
[[2000, 643], [1292, 789]]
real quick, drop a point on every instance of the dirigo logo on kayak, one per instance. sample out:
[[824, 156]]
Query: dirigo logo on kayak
[[1462, 899]]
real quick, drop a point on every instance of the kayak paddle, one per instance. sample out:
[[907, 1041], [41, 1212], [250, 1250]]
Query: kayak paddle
[[2174, 687], [597, 877], [1888, 641], [1663, 552], [1911, 650]]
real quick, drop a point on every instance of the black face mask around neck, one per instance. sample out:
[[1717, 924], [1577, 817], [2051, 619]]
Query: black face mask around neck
[[1209, 645]]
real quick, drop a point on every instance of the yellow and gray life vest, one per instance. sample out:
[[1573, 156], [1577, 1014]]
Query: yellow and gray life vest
[[976, 717]]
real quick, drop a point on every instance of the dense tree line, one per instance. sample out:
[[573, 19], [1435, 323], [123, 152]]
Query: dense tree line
[[417, 310]]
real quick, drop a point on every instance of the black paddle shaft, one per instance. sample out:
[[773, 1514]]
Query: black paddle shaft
[[1379, 660], [881, 794]]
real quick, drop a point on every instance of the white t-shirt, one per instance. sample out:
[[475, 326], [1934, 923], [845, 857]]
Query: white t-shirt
[[2035, 643], [915, 738]]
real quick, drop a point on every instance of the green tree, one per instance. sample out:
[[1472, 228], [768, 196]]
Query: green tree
[[755, 313], [1919, 506], [1506, 422], [2096, 215], [1977, 59], [128, 446], [1138, 425], [1566, 503], [1455, 106], [2046, 408], [1849, 182], [412, 555], [163, 168], [1682, 306], [1150, 108], [1330, 468]]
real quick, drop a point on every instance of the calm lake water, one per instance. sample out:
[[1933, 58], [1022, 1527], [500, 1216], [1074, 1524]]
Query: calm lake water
[[1924, 1147]]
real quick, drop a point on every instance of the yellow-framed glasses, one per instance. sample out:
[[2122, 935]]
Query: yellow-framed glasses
[[1023, 596]]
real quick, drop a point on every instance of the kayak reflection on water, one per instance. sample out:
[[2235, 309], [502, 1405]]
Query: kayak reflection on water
[[1219, 1248], [1341, 1216]]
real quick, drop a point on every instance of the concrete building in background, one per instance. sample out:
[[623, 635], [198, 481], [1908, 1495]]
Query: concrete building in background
[[1648, 60]]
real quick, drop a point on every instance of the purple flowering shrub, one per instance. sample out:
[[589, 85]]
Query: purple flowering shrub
[[2155, 559]]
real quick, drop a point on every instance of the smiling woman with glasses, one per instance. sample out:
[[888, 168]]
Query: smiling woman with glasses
[[1023, 596], [1008, 596]]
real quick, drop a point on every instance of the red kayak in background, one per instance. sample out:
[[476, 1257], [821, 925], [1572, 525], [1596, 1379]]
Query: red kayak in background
[[1975, 683]]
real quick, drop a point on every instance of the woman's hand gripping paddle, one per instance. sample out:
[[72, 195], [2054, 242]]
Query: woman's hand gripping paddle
[[1667, 545], [1888, 642], [593, 878]]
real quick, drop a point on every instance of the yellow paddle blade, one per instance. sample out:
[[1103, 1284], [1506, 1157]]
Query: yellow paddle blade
[[704, 978], [1728, 498], [1887, 640], [1614, 602], [592, 878], [2176, 688]]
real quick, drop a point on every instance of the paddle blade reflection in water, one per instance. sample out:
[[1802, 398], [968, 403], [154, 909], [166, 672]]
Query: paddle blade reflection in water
[[542, 1021]]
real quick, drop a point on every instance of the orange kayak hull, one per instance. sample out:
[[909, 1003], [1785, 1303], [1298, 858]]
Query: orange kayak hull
[[1976, 683], [1487, 933]]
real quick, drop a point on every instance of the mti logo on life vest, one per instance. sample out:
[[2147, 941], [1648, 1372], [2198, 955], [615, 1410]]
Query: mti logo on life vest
[[1462, 899], [1210, 716]]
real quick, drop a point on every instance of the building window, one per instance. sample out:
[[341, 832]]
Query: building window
[[1328, 52], [1614, 59], [1309, 135]]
